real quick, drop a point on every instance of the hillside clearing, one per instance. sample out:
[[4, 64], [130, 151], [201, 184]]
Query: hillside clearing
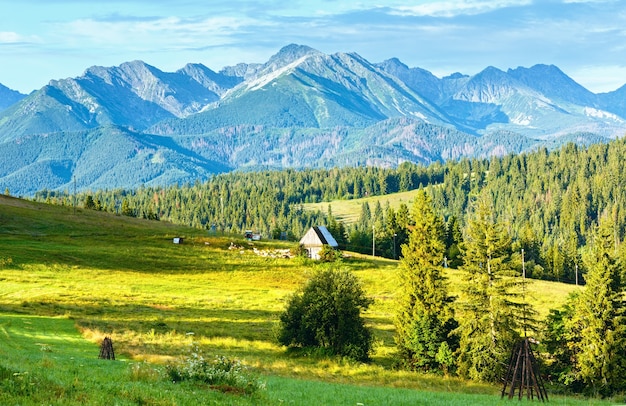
[[348, 211]]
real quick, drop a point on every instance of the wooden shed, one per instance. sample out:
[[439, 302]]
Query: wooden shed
[[315, 239]]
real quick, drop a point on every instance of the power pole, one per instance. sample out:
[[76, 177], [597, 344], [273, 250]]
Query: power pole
[[74, 199], [373, 241], [524, 290]]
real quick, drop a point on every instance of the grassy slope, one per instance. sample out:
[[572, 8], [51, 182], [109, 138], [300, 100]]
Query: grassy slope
[[349, 211], [111, 275]]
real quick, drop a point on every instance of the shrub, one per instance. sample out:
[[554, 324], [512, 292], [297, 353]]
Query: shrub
[[221, 373], [326, 315], [299, 251], [329, 254], [6, 262]]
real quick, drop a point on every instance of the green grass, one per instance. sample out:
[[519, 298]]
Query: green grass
[[68, 280], [348, 211], [45, 361]]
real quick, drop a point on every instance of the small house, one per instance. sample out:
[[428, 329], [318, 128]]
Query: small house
[[315, 239]]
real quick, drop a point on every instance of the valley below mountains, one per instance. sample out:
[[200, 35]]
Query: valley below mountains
[[133, 125]]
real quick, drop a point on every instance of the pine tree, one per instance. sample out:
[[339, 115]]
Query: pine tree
[[599, 317], [453, 239], [424, 316], [487, 324], [89, 203], [365, 218]]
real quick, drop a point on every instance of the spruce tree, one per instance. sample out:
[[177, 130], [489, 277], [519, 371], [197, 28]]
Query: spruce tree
[[487, 323], [599, 317], [424, 316]]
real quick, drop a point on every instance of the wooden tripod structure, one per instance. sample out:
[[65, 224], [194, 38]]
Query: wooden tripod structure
[[106, 349], [522, 374]]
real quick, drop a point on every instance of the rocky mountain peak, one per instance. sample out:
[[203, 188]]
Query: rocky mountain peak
[[553, 83]]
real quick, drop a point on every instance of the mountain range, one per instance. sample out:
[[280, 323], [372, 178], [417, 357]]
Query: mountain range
[[132, 125]]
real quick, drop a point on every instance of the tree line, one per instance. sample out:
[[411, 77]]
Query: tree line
[[473, 335], [548, 200]]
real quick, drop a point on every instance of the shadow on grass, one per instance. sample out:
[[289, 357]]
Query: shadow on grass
[[169, 331], [146, 255], [137, 320]]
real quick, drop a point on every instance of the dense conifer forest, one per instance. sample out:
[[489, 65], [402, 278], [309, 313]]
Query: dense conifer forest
[[549, 202]]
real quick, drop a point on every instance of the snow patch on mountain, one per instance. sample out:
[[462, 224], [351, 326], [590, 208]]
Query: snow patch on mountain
[[522, 119], [262, 81], [593, 112]]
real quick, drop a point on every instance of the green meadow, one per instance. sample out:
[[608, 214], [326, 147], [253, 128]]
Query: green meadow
[[348, 211], [70, 278]]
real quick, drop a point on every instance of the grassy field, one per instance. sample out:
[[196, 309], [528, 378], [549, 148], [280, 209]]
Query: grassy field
[[68, 280], [348, 211]]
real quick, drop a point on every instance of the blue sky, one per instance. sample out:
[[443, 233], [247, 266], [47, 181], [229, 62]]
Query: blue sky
[[42, 40]]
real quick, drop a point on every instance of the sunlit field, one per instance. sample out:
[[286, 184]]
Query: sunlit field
[[68, 279]]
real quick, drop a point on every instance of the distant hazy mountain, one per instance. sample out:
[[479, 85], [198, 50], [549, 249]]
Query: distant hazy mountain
[[101, 158], [134, 124], [614, 102], [9, 97]]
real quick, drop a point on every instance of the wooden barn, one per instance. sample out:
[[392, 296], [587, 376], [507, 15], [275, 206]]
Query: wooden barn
[[315, 239]]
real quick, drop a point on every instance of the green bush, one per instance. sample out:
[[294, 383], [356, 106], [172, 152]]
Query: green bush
[[6, 262], [326, 314], [329, 254], [221, 373], [299, 251]]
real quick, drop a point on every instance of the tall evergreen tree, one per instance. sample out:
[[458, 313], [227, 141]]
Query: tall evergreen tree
[[453, 239], [424, 317], [488, 323], [599, 317], [365, 218]]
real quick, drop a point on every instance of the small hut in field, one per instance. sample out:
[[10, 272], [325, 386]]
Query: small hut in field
[[315, 239]]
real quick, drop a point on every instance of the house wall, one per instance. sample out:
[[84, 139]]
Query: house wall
[[310, 239], [314, 252]]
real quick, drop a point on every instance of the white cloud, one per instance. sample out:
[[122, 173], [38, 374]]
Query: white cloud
[[588, 1], [8, 37], [454, 8], [153, 34]]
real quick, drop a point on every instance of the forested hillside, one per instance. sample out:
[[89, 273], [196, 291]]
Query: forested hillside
[[548, 200]]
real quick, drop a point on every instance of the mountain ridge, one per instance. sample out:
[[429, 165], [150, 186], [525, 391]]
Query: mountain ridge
[[301, 108], [8, 97]]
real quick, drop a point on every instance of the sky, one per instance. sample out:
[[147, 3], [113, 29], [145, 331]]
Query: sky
[[42, 40]]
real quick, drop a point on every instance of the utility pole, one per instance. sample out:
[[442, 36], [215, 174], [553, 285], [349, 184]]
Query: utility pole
[[373, 241], [523, 266], [222, 215], [524, 290], [74, 199], [394, 245]]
